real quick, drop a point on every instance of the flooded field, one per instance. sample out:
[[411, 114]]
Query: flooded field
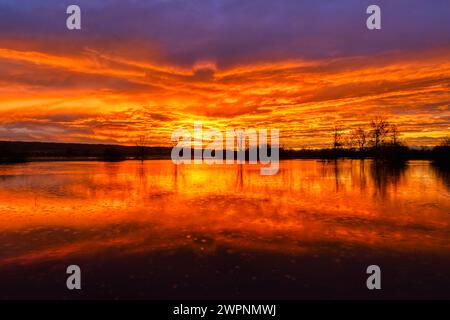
[[155, 230]]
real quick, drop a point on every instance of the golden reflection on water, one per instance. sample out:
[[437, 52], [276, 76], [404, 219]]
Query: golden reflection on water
[[50, 210]]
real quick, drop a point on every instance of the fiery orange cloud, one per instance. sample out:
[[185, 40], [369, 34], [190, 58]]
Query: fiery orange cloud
[[100, 97]]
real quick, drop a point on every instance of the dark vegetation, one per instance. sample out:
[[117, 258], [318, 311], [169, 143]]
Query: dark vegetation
[[380, 141], [11, 151]]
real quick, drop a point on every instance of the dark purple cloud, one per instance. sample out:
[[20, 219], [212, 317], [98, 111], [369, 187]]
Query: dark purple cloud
[[229, 31]]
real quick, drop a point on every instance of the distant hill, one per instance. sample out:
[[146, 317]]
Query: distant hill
[[20, 151]]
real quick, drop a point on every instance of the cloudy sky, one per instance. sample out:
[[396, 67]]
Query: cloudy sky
[[149, 67]]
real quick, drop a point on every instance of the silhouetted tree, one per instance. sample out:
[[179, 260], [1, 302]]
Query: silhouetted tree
[[379, 131], [394, 134], [337, 137], [359, 138], [141, 145]]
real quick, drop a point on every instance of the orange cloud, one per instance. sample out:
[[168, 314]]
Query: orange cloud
[[99, 97]]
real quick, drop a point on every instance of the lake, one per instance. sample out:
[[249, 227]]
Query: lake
[[155, 230]]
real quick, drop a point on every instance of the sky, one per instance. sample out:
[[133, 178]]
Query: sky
[[149, 67]]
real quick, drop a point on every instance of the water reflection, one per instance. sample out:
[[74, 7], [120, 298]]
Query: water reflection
[[386, 175], [443, 173], [54, 210]]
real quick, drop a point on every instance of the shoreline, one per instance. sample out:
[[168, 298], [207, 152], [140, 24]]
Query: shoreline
[[99, 159], [20, 152]]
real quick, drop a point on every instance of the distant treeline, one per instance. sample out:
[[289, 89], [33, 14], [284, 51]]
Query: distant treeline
[[32, 151]]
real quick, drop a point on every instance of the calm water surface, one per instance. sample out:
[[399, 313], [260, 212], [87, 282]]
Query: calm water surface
[[156, 230]]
